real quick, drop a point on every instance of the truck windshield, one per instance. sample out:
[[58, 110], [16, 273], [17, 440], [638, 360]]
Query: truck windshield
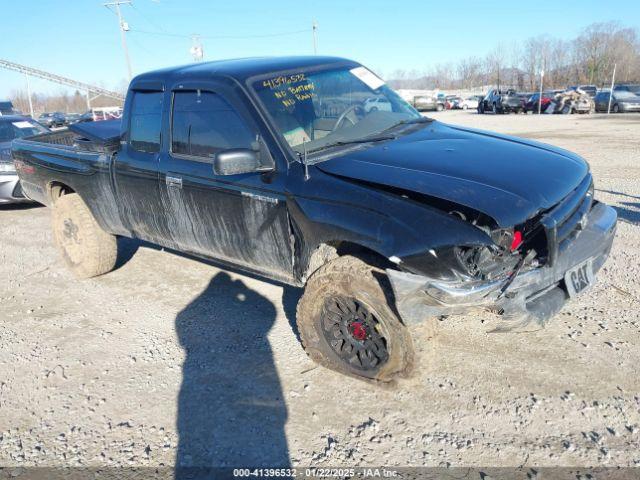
[[320, 109]]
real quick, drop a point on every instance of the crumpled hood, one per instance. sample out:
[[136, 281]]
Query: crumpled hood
[[507, 178]]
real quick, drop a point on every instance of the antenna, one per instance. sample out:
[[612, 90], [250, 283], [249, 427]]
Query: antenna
[[314, 28], [304, 160]]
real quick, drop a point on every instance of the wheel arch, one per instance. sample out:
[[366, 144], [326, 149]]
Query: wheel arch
[[327, 251], [56, 189]]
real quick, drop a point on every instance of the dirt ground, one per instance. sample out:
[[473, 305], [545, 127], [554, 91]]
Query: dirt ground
[[172, 358]]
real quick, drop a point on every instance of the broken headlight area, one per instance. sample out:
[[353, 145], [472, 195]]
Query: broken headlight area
[[465, 263]]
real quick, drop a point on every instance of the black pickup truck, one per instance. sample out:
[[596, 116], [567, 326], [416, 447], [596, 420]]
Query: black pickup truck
[[273, 166]]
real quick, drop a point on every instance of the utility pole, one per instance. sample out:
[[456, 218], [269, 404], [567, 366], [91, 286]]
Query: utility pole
[[26, 76], [124, 27], [613, 79], [540, 98], [314, 28], [196, 50]]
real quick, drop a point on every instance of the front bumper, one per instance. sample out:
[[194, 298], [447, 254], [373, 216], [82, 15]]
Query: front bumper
[[10, 190], [536, 294]]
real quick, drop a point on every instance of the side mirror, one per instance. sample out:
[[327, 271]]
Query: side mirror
[[236, 161]]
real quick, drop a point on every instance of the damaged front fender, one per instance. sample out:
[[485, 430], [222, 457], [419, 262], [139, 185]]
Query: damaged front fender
[[332, 210], [535, 294]]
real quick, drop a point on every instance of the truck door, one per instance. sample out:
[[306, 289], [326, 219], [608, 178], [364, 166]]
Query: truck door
[[136, 165], [240, 219]]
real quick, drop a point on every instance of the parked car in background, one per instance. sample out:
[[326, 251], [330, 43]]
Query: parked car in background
[[85, 117], [532, 103], [52, 119], [6, 107], [583, 104], [470, 102], [375, 104], [11, 128], [633, 88], [501, 101], [524, 97], [424, 103], [455, 102], [448, 101], [590, 90], [71, 118], [621, 101], [106, 113], [100, 114]]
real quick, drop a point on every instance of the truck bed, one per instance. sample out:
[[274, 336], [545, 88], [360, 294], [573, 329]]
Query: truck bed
[[79, 157], [98, 137]]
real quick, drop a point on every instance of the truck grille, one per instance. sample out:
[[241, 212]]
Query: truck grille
[[564, 221]]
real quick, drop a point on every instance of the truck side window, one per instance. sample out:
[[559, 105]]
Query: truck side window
[[203, 123], [146, 111]]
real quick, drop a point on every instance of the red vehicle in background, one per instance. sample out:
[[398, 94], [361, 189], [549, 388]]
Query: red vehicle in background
[[532, 104], [100, 114]]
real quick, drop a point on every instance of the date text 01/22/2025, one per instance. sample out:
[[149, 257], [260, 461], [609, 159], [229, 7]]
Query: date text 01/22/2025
[[367, 472]]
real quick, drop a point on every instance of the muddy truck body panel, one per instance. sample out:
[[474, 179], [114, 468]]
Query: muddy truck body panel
[[274, 166]]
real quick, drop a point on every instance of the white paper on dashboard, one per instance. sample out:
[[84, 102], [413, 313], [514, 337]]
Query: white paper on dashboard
[[369, 78], [22, 125]]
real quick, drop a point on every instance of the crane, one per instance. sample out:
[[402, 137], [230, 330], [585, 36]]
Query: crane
[[34, 72]]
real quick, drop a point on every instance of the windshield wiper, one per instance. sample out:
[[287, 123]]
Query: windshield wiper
[[411, 121], [372, 139]]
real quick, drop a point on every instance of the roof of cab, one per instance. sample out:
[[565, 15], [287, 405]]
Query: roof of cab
[[241, 68]]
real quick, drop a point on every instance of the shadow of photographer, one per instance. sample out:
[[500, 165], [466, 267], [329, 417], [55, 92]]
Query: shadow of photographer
[[231, 410]]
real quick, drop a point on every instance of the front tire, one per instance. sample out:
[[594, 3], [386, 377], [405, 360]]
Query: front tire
[[346, 323], [87, 250]]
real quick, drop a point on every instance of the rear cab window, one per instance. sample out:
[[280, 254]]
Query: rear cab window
[[145, 123]]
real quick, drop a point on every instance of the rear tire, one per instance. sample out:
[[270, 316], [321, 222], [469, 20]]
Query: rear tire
[[346, 323], [87, 250], [615, 108]]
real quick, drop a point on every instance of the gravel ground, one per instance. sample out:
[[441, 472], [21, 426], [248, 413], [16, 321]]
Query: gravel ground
[[172, 358]]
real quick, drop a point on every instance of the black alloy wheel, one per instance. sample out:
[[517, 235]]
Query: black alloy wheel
[[353, 333]]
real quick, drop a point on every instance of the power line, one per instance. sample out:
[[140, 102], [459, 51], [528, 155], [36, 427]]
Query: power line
[[235, 37], [148, 19]]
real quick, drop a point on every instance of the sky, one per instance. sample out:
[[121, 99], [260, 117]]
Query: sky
[[80, 39]]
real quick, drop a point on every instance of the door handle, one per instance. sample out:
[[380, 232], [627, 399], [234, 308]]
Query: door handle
[[175, 182]]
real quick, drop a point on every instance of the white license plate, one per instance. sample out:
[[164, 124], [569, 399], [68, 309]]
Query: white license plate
[[579, 278]]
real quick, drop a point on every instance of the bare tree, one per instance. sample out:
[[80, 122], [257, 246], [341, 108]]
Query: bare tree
[[587, 59], [60, 102]]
